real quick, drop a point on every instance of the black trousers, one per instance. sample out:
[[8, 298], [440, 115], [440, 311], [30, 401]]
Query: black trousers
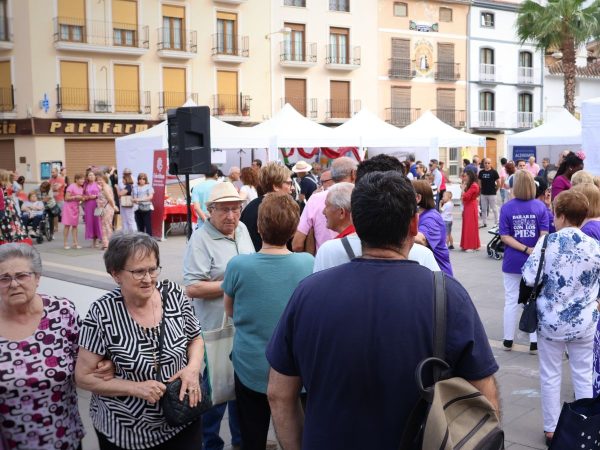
[[143, 220], [254, 413], [188, 438]]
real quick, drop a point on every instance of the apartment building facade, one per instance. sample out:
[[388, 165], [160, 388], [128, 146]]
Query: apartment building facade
[[505, 77], [423, 64]]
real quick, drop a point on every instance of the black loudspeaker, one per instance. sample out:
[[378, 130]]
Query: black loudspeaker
[[189, 140]]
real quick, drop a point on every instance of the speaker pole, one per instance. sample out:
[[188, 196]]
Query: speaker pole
[[188, 201]]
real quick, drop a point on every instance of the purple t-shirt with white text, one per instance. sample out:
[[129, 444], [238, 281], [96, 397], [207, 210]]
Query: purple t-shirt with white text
[[592, 229], [433, 228], [523, 220]]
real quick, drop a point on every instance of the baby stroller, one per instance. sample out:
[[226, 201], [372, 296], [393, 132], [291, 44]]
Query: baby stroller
[[495, 248]]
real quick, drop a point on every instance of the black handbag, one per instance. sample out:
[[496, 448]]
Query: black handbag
[[578, 425], [529, 319], [179, 412]]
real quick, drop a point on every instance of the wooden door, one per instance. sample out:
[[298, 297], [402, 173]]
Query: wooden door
[[340, 99], [295, 94]]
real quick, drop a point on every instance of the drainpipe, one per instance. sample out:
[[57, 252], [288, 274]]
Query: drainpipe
[[468, 72], [542, 71]]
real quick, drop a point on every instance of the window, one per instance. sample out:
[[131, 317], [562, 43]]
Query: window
[[339, 5], [487, 20], [6, 89], [525, 59], [400, 112], [339, 104], [400, 9], [486, 101], [486, 56], [525, 102], [74, 94], [226, 33], [445, 14], [71, 20], [127, 89], [338, 46], [4, 36], [453, 161], [301, 3], [227, 93], [294, 43], [525, 111], [295, 94], [173, 27], [174, 87], [124, 15]]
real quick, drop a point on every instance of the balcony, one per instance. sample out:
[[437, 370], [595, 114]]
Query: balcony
[[230, 48], [297, 56], [402, 117], [231, 108], [453, 117], [77, 102], [100, 37], [401, 69], [6, 34], [7, 100], [305, 106], [338, 58], [486, 119], [340, 110], [525, 75], [172, 100], [447, 71], [487, 73], [526, 120], [177, 44]]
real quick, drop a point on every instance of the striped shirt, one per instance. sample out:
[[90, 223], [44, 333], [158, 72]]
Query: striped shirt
[[109, 330]]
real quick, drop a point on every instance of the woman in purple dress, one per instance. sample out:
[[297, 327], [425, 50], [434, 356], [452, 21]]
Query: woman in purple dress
[[572, 163], [93, 226]]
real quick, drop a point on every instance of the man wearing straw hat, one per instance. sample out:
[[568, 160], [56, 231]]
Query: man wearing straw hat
[[308, 182], [209, 250]]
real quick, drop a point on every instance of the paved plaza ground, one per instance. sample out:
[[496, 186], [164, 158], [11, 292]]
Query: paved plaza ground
[[80, 276]]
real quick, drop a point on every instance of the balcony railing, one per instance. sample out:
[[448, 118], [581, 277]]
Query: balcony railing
[[177, 40], [6, 29], [527, 119], [306, 53], [487, 119], [7, 99], [487, 72], [401, 69], [301, 3], [231, 105], [171, 100], [343, 56], [305, 106], [447, 71], [102, 101], [453, 117], [402, 117], [342, 108], [525, 75], [230, 45], [100, 33]]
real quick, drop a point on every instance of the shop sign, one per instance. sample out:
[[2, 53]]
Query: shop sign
[[90, 127]]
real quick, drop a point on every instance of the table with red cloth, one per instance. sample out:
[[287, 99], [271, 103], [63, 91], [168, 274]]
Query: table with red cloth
[[176, 214]]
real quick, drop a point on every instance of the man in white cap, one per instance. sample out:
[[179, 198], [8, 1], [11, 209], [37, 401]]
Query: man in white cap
[[308, 182], [209, 250]]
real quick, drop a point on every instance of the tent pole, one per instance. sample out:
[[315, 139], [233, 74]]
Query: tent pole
[[189, 207]]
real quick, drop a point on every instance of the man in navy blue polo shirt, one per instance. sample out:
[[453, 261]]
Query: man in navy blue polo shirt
[[354, 334]]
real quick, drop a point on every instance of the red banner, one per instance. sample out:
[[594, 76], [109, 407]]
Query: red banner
[[159, 178]]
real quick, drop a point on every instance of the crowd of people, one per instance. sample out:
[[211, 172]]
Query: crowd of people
[[307, 263]]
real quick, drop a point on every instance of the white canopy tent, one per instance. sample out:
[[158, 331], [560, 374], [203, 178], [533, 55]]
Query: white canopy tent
[[381, 137], [590, 134], [289, 128], [559, 132]]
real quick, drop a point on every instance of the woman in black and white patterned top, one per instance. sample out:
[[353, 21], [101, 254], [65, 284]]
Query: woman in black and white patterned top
[[124, 326]]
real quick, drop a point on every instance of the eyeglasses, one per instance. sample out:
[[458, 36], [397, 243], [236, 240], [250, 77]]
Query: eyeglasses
[[288, 182], [326, 181], [20, 278], [140, 274], [233, 209]]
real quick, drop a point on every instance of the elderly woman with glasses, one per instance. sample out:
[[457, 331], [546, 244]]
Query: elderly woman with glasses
[[38, 348], [125, 326], [208, 252]]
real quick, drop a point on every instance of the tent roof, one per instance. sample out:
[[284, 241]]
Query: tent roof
[[374, 132], [561, 128], [429, 125], [288, 128]]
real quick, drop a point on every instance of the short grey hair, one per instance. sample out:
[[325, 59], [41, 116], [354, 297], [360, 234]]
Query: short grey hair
[[340, 195], [342, 168], [125, 244], [23, 251]]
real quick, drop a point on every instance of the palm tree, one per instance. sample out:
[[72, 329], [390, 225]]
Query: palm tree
[[564, 25]]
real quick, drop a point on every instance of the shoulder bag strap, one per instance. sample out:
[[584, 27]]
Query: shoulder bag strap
[[161, 335], [439, 315], [540, 267], [348, 248]]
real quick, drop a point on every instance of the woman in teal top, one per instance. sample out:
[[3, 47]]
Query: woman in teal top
[[257, 289]]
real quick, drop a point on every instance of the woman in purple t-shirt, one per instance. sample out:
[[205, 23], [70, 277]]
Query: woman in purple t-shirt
[[591, 225], [572, 163], [522, 221], [432, 230]]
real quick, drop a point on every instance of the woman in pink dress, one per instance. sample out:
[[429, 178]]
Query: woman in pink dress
[[572, 163], [93, 226], [70, 212]]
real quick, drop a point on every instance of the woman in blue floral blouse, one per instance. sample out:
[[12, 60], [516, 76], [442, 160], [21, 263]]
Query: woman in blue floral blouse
[[567, 303]]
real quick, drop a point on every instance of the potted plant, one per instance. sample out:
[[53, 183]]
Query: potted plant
[[245, 110]]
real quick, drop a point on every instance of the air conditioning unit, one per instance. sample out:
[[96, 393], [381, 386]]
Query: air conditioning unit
[[101, 106]]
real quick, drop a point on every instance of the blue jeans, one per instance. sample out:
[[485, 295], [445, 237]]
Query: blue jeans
[[211, 425]]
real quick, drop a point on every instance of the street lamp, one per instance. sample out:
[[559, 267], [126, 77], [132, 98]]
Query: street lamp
[[286, 31]]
